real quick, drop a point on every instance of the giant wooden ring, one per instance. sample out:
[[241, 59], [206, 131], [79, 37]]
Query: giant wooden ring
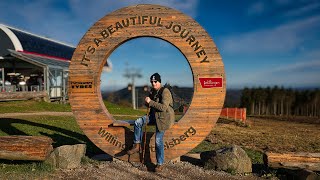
[[146, 21]]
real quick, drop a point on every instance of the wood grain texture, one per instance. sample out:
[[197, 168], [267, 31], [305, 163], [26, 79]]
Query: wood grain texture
[[300, 160], [146, 21], [36, 148]]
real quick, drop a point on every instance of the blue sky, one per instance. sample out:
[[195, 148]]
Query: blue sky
[[262, 43]]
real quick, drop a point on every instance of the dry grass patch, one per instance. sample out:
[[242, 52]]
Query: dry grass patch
[[270, 135]]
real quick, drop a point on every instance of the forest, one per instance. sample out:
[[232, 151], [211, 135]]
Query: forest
[[281, 101]]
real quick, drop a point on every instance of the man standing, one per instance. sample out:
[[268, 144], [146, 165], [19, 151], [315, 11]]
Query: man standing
[[161, 114]]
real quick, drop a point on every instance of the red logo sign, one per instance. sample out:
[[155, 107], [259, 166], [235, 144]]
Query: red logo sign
[[210, 82]]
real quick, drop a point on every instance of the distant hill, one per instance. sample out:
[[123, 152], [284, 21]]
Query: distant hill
[[123, 96], [182, 95]]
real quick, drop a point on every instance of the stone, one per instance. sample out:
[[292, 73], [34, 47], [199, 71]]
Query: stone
[[67, 156], [230, 159]]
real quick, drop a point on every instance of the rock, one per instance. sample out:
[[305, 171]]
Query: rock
[[230, 159], [67, 156]]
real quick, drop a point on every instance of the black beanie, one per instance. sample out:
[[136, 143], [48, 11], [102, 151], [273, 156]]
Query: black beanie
[[155, 77]]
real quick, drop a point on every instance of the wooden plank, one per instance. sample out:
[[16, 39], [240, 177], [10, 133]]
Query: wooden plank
[[4, 96]]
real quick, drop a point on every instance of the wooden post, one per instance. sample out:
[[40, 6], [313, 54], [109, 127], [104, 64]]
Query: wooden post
[[227, 114]]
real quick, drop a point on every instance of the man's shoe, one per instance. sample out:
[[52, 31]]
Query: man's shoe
[[134, 149], [158, 168]]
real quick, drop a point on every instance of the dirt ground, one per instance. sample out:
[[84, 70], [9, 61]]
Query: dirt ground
[[262, 134], [271, 134], [120, 170]]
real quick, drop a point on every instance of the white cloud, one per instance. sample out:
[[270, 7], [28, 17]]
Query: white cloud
[[303, 9], [285, 8], [69, 24], [282, 39], [298, 66], [299, 74], [96, 9]]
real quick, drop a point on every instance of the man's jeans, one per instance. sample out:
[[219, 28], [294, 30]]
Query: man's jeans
[[138, 124]]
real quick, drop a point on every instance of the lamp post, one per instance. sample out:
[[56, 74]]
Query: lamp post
[[2, 78], [137, 99]]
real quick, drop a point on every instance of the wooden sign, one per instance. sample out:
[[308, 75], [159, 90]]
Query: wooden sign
[[146, 21]]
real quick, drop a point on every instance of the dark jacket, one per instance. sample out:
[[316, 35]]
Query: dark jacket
[[161, 105]]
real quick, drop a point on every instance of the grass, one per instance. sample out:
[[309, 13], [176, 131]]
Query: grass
[[206, 146], [35, 168], [32, 106], [270, 135], [264, 135], [255, 156], [261, 135], [35, 106], [64, 130], [115, 109]]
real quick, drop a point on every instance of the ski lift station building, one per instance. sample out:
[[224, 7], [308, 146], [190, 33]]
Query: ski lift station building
[[32, 66]]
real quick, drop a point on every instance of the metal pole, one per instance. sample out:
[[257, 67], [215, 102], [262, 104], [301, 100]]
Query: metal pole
[[63, 87], [145, 135], [3, 80], [137, 99], [56, 83], [47, 83], [133, 94], [133, 97]]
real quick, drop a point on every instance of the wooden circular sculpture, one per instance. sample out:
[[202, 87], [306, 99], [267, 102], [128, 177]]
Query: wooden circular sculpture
[[146, 21]]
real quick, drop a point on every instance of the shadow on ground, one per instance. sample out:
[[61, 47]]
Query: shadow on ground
[[61, 136]]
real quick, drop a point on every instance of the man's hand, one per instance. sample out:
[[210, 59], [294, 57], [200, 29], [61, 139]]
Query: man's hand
[[147, 99]]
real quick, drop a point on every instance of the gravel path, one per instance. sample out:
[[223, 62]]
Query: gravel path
[[121, 170]]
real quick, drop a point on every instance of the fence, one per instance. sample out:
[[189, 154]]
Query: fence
[[234, 113]]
